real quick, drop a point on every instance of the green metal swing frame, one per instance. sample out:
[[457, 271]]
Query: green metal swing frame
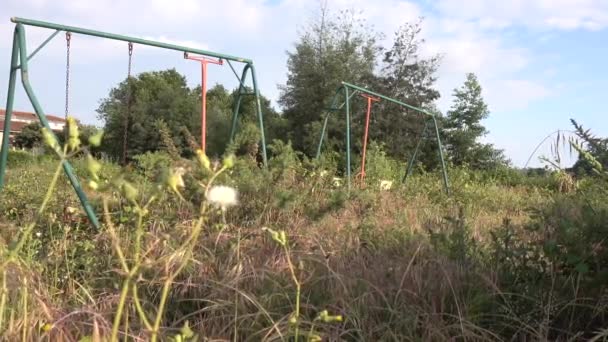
[[20, 61], [349, 90]]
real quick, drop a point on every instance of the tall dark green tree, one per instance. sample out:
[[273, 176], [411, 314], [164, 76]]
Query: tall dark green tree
[[409, 77], [332, 49], [463, 128]]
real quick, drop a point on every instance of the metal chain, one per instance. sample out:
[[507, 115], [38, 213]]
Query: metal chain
[[68, 37], [130, 58], [128, 112]]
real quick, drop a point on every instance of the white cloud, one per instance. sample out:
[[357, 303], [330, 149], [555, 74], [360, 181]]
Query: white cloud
[[540, 14], [515, 94], [469, 33]]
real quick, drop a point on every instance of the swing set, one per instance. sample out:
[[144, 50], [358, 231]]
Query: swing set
[[349, 90], [20, 61]]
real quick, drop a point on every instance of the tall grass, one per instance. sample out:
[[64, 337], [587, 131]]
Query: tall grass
[[298, 258]]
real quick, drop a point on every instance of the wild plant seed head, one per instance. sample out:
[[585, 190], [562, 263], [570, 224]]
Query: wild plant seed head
[[49, 139], [129, 191], [72, 127], [228, 162], [203, 159], [93, 185], [222, 196], [74, 140], [178, 173], [95, 139], [93, 166], [175, 180]]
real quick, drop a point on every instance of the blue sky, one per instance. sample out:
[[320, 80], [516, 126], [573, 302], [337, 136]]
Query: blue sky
[[540, 62]]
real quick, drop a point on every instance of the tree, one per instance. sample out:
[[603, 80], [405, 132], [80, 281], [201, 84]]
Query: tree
[[30, 136], [164, 98], [463, 128], [408, 77], [331, 50], [153, 95], [220, 104], [596, 147]]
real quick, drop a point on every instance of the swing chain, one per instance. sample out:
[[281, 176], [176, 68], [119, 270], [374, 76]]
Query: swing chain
[[128, 111], [130, 57], [68, 37]]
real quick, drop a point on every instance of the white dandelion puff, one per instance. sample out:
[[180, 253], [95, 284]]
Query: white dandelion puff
[[222, 196]]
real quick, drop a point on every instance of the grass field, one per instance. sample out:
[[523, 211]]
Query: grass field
[[505, 257]]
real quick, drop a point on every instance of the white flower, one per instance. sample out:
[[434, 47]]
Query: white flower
[[38, 234], [337, 182], [222, 196], [386, 184]]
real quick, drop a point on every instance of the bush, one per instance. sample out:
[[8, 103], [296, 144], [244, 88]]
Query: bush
[[150, 164], [29, 136]]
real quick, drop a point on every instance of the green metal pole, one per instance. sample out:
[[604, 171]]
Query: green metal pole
[[349, 97], [331, 106], [237, 103], [10, 97], [410, 164], [234, 72], [363, 90], [443, 168], [347, 107], [135, 40], [42, 45], [42, 117], [322, 135], [258, 107]]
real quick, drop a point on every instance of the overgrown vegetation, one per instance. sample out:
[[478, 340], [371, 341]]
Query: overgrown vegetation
[[208, 247], [298, 257]]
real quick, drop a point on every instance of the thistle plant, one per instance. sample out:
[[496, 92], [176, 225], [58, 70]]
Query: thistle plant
[[173, 263], [324, 317], [280, 237], [12, 254]]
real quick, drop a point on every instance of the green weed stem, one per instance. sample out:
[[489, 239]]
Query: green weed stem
[[25, 324], [121, 304], [298, 289], [169, 281], [236, 285], [139, 308]]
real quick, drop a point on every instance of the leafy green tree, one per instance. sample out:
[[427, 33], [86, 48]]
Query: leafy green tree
[[164, 97], [30, 136], [331, 50], [220, 103], [410, 78], [344, 48], [154, 95], [463, 128]]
